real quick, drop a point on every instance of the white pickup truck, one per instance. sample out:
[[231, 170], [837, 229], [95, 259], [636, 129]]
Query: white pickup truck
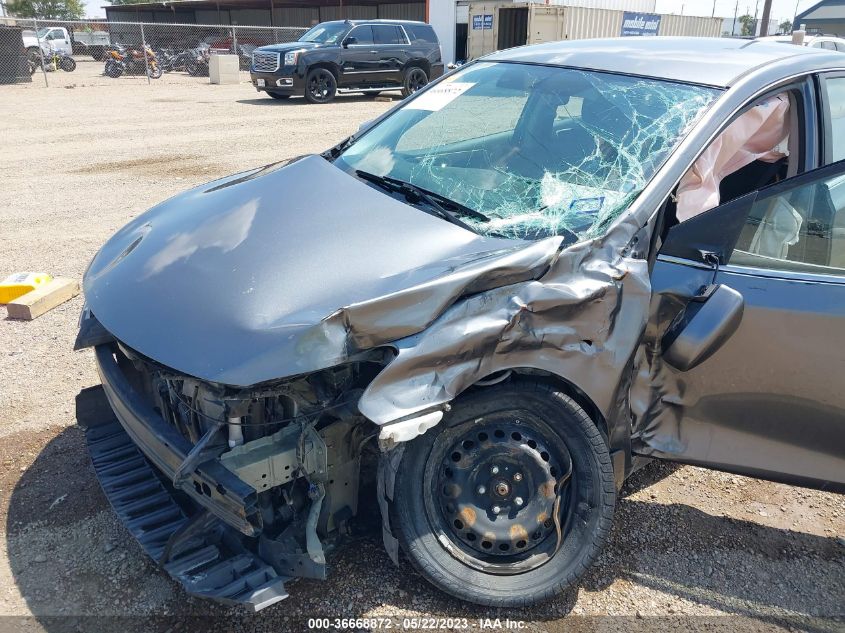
[[72, 43]]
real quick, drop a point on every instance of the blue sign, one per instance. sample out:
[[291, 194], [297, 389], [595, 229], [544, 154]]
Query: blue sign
[[484, 22], [638, 24]]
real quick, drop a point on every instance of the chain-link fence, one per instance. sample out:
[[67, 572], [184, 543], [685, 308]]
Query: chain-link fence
[[64, 53]]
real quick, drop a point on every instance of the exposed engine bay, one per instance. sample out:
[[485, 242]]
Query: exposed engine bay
[[300, 443]]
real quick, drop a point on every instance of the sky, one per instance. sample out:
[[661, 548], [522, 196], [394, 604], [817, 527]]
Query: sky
[[781, 9]]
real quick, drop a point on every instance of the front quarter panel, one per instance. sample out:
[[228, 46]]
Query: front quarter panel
[[582, 320]]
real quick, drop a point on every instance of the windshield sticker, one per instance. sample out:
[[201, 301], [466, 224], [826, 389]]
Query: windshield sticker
[[439, 96]]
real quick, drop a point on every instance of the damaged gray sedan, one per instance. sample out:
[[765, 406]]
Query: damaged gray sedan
[[473, 319]]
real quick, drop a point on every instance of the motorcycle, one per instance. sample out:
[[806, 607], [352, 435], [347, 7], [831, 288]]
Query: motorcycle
[[197, 61], [172, 61], [122, 60], [53, 60]]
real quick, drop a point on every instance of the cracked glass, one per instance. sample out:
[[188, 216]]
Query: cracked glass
[[532, 151]]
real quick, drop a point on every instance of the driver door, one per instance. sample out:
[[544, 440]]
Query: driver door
[[359, 57], [748, 317]]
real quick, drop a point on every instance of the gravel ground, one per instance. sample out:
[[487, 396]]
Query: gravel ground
[[691, 549]]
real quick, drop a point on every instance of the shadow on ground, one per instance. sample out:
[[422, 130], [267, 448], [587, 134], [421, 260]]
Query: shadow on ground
[[77, 567]]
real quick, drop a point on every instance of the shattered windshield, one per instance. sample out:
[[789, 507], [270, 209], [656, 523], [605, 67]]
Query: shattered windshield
[[533, 151]]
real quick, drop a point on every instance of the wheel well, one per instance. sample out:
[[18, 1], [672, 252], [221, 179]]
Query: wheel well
[[569, 388], [419, 63], [330, 67]]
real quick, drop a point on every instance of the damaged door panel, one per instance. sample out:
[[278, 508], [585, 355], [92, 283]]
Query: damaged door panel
[[475, 329], [769, 402]]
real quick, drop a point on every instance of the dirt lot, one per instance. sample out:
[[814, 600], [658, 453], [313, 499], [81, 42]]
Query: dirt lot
[[77, 164]]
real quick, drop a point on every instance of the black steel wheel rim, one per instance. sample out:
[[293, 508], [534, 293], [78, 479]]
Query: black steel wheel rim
[[492, 492], [417, 80], [320, 85]]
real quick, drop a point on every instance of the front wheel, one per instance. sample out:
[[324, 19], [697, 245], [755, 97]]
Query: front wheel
[[320, 86], [67, 64], [113, 69], [415, 79], [509, 499], [155, 71]]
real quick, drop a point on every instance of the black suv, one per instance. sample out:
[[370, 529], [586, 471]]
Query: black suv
[[351, 55]]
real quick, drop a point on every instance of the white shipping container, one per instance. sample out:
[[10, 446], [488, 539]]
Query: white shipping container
[[638, 6], [581, 23], [690, 25], [548, 23]]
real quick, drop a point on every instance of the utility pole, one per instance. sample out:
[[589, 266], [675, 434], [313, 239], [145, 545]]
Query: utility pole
[[713, 12], [736, 12], [767, 10]]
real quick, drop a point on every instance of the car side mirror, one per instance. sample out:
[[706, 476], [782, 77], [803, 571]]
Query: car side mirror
[[350, 40], [706, 323], [364, 125]]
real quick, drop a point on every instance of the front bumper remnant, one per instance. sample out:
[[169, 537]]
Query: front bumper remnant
[[210, 484], [212, 563]]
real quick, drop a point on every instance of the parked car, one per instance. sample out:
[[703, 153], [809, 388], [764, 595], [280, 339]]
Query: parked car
[[349, 56], [827, 42], [529, 278]]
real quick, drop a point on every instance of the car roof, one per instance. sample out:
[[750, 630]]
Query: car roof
[[376, 21], [713, 61], [807, 38]]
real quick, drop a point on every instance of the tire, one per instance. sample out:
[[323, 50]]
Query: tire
[[97, 53], [193, 69], [497, 425], [155, 71], [67, 64], [415, 79], [320, 86], [113, 69], [279, 97]]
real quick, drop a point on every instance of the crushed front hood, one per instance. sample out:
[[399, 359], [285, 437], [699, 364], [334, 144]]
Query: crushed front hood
[[288, 269]]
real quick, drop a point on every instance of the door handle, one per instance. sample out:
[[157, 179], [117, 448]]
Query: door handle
[[374, 52]]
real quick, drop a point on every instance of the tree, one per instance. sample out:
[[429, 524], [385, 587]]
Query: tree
[[747, 23], [785, 27], [47, 9]]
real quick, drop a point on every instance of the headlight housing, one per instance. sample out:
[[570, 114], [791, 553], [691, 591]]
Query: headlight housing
[[290, 58]]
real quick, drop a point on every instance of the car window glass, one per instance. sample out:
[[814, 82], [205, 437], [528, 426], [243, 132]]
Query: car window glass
[[533, 150], [325, 33], [420, 33], [840, 46], [817, 45], [387, 34], [834, 104], [362, 34], [829, 46], [508, 104], [799, 228]]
